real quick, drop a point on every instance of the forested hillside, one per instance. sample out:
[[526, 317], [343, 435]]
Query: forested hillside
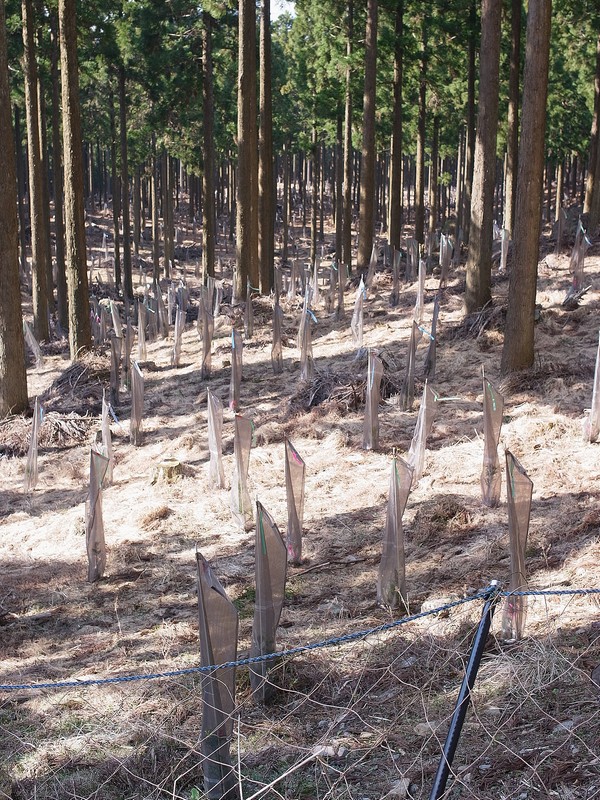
[[299, 400]]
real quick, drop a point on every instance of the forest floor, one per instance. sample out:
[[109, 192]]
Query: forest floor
[[361, 720]]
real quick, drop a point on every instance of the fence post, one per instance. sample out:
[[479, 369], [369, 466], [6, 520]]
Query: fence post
[[464, 695]]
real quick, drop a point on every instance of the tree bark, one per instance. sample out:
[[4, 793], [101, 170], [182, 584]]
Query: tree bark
[[21, 192], [512, 133], [285, 202], [395, 205], [367, 184], [13, 377], [315, 197], [420, 158], [247, 182], [434, 177], [470, 135], [518, 350], [559, 189], [36, 210], [266, 199], [208, 149], [116, 194], [127, 279], [591, 179], [339, 187], [62, 306], [76, 260], [479, 261], [155, 225], [347, 189], [44, 173], [136, 210]]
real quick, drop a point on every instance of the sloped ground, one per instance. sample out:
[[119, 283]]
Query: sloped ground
[[381, 706]]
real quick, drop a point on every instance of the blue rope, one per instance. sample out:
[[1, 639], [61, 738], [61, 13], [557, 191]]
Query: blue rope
[[336, 640]]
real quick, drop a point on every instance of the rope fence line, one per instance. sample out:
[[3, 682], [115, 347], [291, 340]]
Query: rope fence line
[[332, 642]]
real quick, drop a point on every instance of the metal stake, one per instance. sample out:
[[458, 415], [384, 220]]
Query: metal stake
[[464, 695]]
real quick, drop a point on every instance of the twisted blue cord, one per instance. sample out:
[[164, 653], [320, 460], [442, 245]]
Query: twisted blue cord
[[336, 640]]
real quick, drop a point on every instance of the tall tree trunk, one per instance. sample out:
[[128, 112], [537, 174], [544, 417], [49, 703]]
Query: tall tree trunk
[[247, 182], [322, 174], [21, 191], [518, 350], [367, 184], [479, 261], [136, 210], [77, 280], [155, 224], [167, 209], [13, 377], [127, 279], [315, 196], [460, 163], [44, 173], [470, 136], [36, 209], [395, 215], [559, 188], [339, 187], [592, 175], [116, 193], [433, 177], [208, 149], [512, 133], [420, 165], [347, 229], [59, 223], [266, 199]]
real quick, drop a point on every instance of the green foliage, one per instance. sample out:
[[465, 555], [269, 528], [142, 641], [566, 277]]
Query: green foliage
[[160, 46]]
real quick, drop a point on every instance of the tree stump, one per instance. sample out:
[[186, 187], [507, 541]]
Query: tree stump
[[169, 470]]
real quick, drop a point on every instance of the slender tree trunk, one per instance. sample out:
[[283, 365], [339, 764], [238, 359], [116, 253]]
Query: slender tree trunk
[[208, 150], [136, 210], [266, 199], [420, 165], [470, 136], [518, 350], [559, 188], [21, 191], [512, 134], [155, 223], [13, 377], [396, 199], [127, 279], [247, 181], [591, 179], [434, 175], [323, 172], [367, 184], [36, 210], [285, 202], [479, 261], [314, 197], [167, 209], [459, 180], [44, 173], [116, 194], [76, 260], [548, 213], [339, 187], [347, 230], [59, 224]]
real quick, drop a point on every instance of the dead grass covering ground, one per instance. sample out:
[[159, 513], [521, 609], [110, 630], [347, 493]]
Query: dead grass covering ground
[[367, 717]]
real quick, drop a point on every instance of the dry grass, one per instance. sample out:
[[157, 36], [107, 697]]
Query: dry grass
[[363, 717]]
